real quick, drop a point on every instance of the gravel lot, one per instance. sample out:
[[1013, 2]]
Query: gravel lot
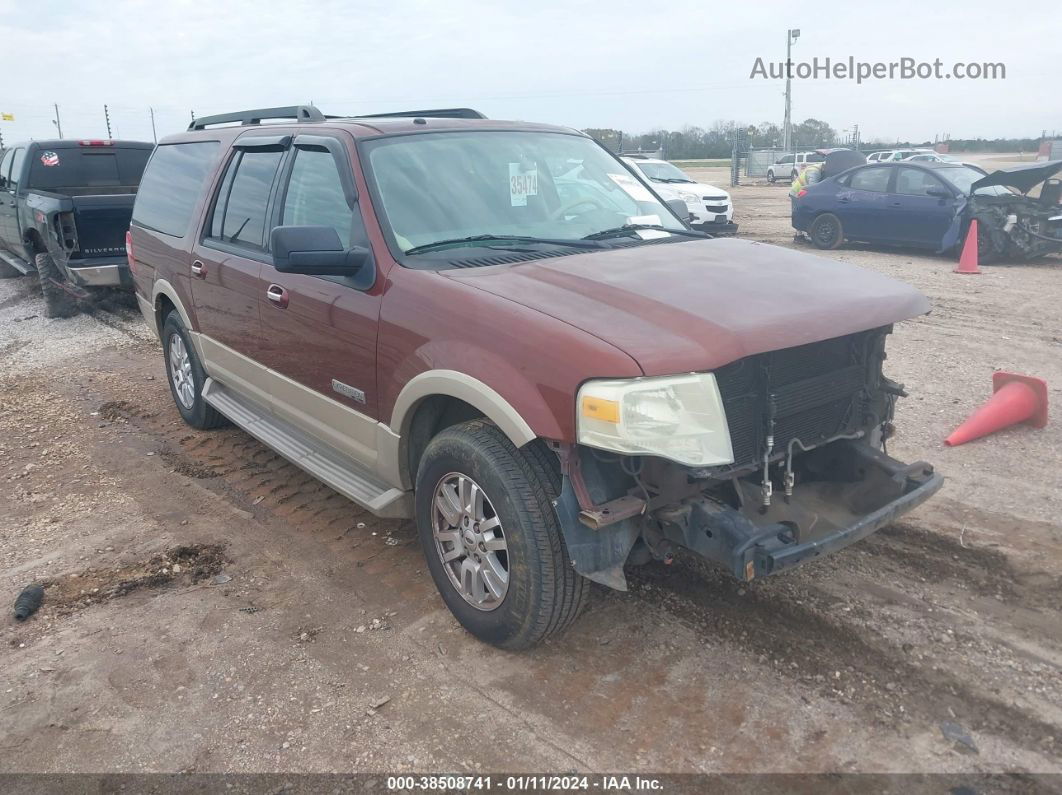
[[211, 608]]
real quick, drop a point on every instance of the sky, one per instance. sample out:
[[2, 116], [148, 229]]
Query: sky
[[632, 66]]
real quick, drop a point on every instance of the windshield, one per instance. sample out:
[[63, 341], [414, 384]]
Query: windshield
[[453, 185], [664, 172], [963, 178]]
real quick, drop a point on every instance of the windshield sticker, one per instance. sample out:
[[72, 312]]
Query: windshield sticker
[[644, 220], [633, 187], [522, 184], [49, 159]]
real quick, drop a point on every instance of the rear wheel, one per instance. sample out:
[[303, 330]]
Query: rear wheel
[[826, 231], [491, 537], [186, 376], [57, 301]]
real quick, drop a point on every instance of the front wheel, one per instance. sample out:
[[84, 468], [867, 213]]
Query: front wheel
[[826, 231], [990, 245], [770, 177], [186, 376], [492, 539], [57, 301]]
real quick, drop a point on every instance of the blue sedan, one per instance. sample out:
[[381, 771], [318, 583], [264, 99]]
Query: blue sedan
[[918, 205]]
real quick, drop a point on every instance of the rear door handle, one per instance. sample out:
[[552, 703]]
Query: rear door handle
[[199, 269], [278, 295]]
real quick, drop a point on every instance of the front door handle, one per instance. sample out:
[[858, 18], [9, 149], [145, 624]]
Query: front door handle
[[199, 269], [278, 295]]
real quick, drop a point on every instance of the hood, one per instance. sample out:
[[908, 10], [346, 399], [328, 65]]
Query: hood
[[700, 304], [672, 189], [1023, 178], [709, 191]]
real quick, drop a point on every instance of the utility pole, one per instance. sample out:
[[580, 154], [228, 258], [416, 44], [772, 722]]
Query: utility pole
[[855, 137], [107, 116], [57, 122], [791, 35], [154, 137]]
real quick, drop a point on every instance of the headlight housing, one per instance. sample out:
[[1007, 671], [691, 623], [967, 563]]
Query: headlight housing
[[689, 198], [677, 417]]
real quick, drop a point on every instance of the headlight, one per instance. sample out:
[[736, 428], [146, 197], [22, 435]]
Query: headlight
[[677, 417], [689, 198]]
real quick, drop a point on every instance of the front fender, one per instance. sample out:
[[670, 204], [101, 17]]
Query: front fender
[[462, 386]]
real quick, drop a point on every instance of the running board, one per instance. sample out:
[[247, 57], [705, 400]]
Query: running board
[[16, 263], [342, 473]]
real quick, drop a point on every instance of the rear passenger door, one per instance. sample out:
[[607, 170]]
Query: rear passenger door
[[10, 238], [227, 262], [863, 207], [319, 332]]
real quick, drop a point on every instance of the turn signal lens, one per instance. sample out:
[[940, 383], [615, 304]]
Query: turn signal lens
[[596, 408]]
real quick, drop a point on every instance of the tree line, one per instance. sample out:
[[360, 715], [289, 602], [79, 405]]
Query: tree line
[[697, 143]]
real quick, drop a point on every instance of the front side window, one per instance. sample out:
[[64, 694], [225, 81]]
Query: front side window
[[448, 186], [239, 214], [870, 179], [172, 184], [915, 182], [315, 195]]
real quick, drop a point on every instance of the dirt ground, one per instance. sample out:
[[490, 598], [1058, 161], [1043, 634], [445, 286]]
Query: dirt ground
[[211, 608]]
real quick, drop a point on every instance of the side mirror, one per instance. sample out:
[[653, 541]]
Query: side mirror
[[938, 192], [314, 251], [679, 208]]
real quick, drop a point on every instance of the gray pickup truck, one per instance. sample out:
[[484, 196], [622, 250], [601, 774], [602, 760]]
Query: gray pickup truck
[[64, 212]]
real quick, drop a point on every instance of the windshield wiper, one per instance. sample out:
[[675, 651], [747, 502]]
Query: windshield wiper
[[628, 229], [457, 241]]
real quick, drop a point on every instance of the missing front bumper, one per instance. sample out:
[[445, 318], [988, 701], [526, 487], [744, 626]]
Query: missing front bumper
[[820, 517]]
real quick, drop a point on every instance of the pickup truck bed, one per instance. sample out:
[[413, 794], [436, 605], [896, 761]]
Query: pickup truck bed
[[65, 209]]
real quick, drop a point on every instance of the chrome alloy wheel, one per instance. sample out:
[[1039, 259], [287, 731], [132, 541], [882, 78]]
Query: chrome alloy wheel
[[181, 372], [470, 541]]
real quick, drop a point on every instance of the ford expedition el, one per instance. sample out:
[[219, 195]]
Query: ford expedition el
[[443, 319]]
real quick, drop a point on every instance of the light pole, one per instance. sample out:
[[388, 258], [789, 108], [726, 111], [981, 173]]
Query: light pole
[[791, 35]]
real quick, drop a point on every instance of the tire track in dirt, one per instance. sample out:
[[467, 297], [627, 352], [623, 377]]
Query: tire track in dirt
[[836, 646]]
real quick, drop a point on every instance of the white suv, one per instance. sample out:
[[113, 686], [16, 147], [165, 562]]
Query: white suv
[[710, 207], [788, 166]]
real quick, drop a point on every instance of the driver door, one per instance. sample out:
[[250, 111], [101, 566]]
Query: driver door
[[319, 332]]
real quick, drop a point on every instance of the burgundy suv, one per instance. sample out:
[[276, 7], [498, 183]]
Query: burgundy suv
[[500, 330]]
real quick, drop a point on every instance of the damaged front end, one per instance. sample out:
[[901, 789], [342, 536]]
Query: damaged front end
[[1013, 224], [809, 473]]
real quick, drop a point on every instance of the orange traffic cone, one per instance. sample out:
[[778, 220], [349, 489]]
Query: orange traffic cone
[[968, 258], [1016, 398]]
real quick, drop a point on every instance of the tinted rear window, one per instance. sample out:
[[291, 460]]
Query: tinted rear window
[[172, 184], [87, 167]]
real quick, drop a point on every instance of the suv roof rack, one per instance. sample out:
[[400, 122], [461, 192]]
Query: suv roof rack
[[298, 112], [438, 113]]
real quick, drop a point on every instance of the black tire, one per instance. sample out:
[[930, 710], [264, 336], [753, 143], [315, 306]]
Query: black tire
[[199, 414], [826, 231], [57, 301], [770, 176], [990, 244], [544, 594]]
